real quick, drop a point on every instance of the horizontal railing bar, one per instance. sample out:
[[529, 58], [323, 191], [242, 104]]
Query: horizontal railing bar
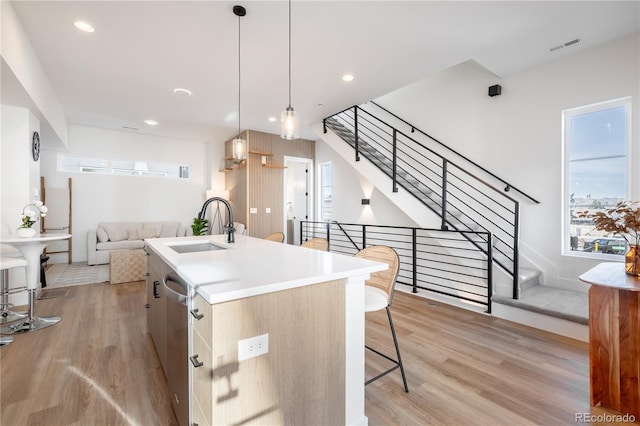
[[453, 288]]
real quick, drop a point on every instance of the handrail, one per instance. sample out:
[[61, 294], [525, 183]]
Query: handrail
[[508, 185], [456, 212], [488, 185]]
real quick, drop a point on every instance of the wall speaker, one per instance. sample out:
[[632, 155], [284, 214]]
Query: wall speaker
[[495, 90]]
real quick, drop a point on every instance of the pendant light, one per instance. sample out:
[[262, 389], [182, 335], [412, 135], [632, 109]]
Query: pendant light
[[289, 117], [239, 145]]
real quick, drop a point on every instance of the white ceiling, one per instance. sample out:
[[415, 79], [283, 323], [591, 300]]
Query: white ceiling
[[125, 71]]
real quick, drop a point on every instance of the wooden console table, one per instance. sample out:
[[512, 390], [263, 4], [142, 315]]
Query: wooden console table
[[614, 337]]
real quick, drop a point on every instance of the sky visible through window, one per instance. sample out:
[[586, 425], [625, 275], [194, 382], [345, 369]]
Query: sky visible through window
[[598, 154]]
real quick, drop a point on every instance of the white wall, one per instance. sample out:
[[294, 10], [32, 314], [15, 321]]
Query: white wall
[[19, 176], [17, 52], [100, 198], [350, 187], [518, 135]]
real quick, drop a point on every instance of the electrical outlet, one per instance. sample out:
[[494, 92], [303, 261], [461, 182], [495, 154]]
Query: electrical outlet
[[253, 347], [267, 210], [253, 210]]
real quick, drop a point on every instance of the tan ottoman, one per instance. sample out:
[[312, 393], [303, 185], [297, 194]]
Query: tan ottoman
[[127, 265]]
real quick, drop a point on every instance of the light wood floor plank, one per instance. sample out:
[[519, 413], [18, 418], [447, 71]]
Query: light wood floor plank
[[99, 367]]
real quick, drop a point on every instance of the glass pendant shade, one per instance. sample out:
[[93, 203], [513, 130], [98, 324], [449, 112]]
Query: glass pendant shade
[[239, 149], [289, 124]]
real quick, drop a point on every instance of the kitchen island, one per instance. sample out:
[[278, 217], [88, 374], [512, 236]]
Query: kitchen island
[[275, 332]]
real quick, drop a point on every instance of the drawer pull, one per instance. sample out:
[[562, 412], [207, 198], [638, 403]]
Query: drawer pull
[[196, 315], [155, 289], [195, 362]]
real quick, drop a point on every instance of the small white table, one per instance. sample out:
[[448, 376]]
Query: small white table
[[31, 248]]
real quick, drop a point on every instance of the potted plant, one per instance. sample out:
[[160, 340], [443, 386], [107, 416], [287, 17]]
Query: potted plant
[[30, 215], [200, 226], [622, 220]]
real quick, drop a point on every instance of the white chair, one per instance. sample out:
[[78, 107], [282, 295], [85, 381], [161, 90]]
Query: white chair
[[378, 294], [239, 228], [7, 262]]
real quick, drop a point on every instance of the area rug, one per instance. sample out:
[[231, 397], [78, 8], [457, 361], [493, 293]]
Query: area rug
[[64, 275]]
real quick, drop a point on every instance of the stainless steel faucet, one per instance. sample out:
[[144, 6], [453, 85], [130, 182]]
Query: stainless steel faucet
[[229, 229]]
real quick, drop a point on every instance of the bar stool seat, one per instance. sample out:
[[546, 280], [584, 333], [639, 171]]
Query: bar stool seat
[[7, 263], [6, 315]]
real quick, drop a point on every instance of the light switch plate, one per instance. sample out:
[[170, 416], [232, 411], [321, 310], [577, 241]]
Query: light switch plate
[[253, 210], [253, 347], [267, 210]]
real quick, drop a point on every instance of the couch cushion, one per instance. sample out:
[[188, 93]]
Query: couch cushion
[[120, 245], [115, 232], [103, 237], [169, 229], [157, 226], [147, 233], [134, 234]]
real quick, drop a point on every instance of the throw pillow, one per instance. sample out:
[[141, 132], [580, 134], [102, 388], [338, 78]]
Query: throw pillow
[[102, 235], [169, 229], [132, 234], [115, 233], [147, 233]]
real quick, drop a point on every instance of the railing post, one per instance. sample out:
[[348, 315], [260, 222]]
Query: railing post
[[489, 271], [414, 253], [355, 128], [364, 237], [444, 226], [395, 162], [516, 250], [328, 225], [301, 222]]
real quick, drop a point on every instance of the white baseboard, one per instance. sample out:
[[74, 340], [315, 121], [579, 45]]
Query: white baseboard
[[532, 319], [554, 325]]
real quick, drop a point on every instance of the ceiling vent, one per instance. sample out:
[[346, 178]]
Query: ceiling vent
[[563, 45]]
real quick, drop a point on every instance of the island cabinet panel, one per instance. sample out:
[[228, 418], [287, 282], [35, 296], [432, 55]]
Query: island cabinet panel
[[157, 306], [301, 380]]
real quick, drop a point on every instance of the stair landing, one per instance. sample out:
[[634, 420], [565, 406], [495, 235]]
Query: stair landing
[[559, 303]]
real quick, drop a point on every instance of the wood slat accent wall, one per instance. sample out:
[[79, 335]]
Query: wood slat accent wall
[[264, 186]]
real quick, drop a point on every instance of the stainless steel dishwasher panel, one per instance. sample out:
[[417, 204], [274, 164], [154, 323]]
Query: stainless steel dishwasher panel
[[176, 290]]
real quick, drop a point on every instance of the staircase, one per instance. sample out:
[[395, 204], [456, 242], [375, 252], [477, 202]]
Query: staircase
[[462, 200]]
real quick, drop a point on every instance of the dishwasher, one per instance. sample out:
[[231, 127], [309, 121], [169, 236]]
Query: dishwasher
[[176, 290]]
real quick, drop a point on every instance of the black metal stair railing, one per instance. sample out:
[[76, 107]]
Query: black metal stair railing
[[431, 259], [463, 201]]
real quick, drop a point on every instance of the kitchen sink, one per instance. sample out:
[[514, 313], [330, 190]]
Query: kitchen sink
[[192, 248]]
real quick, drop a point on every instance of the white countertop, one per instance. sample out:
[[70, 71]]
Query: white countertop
[[253, 266]]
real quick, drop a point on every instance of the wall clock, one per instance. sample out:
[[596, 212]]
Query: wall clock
[[35, 146]]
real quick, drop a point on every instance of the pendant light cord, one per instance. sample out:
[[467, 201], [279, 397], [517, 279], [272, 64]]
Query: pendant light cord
[[239, 17], [289, 53]]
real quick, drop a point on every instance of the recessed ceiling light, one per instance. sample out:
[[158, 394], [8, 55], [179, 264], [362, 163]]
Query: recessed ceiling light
[[272, 119], [84, 26], [347, 77], [151, 122], [181, 91]]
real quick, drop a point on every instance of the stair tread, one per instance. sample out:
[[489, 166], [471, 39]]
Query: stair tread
[[560, 303]]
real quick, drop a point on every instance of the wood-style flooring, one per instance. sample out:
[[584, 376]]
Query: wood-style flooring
[[98, 367]]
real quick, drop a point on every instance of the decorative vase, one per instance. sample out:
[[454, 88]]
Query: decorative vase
[[632, 261], [26, 232]]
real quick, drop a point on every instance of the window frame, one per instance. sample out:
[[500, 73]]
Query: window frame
[[566, 115]]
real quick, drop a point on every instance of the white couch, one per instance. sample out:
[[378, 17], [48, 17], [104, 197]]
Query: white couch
[[111, 236]]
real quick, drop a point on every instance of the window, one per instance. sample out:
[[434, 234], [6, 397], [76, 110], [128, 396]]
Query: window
[[596, 141], [77, 164], [326, 185]]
